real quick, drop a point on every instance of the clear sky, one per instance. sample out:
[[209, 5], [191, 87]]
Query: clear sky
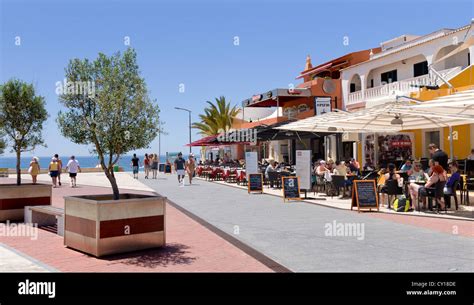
[[192, 43]]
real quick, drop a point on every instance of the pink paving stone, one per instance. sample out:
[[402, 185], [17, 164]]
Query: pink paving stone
[[463, 227], [190, 247]]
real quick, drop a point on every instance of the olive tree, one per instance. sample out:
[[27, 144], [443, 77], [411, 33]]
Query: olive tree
[[107, 107], [22, 114]]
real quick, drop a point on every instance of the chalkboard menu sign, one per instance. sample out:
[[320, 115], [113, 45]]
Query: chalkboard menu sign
[[161, 168], [167, 169], [291, 188], [255, 183], [364, 195]]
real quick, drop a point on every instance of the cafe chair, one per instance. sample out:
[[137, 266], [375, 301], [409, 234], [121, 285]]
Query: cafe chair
[[273, 179], [447, 197], [437, 193], [338, 182], [393, 190], [320, 185]]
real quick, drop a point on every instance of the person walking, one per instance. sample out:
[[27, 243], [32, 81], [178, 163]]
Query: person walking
[[190, 167], [146, 164], [135, 165], [34, 169], [53, 169], [60, 163], [73, 167], [154, 163], [179, 167]]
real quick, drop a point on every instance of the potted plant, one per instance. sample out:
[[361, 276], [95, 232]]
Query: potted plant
[[114, 115], [22, 114]]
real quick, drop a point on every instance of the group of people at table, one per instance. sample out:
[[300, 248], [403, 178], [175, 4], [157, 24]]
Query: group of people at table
[[418, 180]]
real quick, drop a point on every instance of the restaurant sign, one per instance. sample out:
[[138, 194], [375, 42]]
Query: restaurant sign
[[322, 105]]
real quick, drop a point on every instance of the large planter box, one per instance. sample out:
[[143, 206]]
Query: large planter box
[[99, 225], [13, 199]]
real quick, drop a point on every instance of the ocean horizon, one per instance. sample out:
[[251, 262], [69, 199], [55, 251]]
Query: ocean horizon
[[84, 161]]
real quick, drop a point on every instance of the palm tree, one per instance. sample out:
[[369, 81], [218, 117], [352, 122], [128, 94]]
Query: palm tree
[[217, 117]]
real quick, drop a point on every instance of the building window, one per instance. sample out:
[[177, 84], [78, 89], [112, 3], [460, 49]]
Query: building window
[[420, 68], [353, 88], [388, 77]]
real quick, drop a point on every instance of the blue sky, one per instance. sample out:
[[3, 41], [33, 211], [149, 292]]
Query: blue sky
[[192, 43]]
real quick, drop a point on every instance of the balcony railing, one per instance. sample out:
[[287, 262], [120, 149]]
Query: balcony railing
[[403, 87]]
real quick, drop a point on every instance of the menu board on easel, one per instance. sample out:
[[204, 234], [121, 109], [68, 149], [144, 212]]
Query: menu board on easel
[[291, 188], [364, 195], [161, 167], [255, 183]]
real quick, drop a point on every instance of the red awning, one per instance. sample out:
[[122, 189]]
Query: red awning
[[206, 141]]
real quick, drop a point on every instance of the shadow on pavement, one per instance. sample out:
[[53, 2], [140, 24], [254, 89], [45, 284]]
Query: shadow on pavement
[[171, 254]]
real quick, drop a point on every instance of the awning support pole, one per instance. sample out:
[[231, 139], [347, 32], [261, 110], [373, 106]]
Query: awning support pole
[[451, 146]]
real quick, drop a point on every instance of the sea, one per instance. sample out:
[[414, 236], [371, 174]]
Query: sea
[[84, 161]]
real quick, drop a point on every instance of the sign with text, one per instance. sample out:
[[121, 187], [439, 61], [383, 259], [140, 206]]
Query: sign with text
[[251, 162], [291, 188], [303, 168], [161, 167], [255, 183], [364, 195], [322, 105]]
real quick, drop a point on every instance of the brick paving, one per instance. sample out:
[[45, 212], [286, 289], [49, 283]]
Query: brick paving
[[190, 247]]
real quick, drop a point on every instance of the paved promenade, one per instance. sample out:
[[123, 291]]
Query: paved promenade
[[297, 235], [191, 247]]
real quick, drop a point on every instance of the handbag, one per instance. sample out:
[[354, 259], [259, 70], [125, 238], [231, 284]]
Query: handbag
[[30, 169]]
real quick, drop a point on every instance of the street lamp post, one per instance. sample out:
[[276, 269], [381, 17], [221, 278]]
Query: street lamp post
[[189, 113]]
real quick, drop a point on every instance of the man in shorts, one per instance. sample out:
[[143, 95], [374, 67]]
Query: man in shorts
[[135, 164], [60, 163], [73, 167], [179, 167]]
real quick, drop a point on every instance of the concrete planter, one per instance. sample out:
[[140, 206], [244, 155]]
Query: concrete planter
[[99, 225], [13, 199]]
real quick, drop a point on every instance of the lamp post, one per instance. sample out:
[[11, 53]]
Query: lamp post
[[189, 112]]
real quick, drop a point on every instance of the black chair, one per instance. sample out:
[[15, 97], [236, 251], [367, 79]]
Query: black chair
[[437, 193], [393, 190], [320, 184], [273, 179], [338, 182], [462, 166], [447, 197]]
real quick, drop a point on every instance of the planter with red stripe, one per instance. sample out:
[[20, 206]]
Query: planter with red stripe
[[99, 225], [13, 199]]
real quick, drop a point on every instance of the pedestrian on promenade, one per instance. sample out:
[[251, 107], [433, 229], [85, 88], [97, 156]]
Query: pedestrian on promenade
[[34, 169], [73, 167], [154, 163], [439, 156], [60, 162], [53, 169], [179, 167], [146, 164], [190, 167], [135, 165]]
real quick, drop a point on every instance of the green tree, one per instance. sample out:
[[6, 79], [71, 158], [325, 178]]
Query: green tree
[[22, 114], [217, 117], [115, 115]]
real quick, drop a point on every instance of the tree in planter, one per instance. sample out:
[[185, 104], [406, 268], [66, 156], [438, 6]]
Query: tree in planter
[[113, 112], [22, 114]]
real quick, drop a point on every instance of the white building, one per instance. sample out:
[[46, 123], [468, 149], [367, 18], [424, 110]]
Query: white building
[[403, 65]]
